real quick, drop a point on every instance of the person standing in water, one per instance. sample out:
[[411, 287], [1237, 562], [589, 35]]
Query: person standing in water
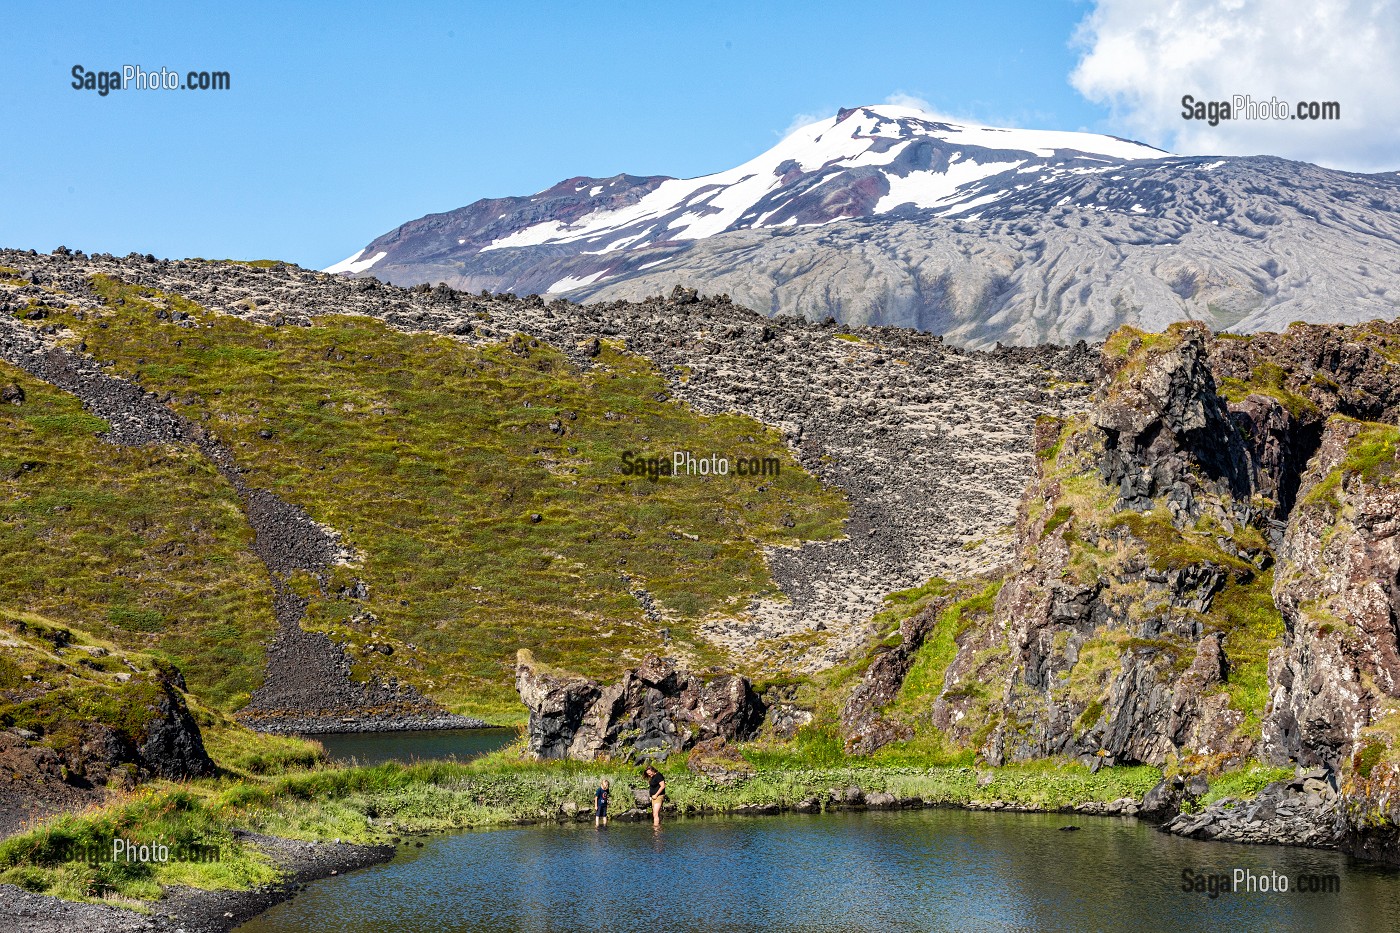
[[657, 784], [600, 800]]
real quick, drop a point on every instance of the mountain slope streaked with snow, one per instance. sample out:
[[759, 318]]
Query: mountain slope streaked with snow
[[888, 215]]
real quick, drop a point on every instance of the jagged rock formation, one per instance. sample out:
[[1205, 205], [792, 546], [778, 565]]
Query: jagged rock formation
[[649, 713], [1332, 434], [1104, 636], [1339, 589], [1206, 575], [1165, 431], [1142, 605]]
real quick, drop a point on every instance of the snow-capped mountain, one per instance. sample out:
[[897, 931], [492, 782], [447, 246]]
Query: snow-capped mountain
[[864, 162], [886, 214]]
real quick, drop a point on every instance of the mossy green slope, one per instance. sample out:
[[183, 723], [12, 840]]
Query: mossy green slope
[[54, 682], [479, 487], [144, 546]]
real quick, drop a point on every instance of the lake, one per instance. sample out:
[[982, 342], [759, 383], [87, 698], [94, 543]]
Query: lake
[[910, 870], [372, 748]]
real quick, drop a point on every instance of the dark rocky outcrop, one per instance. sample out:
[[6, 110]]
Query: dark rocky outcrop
[[155, 737], [1338, 586], [651, 711], [1166, 431], [161, 740], [173, 747], [1106, 639]]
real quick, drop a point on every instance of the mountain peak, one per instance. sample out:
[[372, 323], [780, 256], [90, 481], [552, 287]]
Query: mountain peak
[[865, 161]]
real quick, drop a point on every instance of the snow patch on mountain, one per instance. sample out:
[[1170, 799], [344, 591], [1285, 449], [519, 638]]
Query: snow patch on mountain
[[902, 154], [354, 263]]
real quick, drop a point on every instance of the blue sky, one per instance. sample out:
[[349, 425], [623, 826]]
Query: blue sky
[[347, 119]]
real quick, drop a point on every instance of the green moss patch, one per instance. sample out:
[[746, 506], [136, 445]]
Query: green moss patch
[[145, 546]]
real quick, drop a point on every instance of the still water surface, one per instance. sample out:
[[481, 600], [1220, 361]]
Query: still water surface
[[912, 870], [373, 748]]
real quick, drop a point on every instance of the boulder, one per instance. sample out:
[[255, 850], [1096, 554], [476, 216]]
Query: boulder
[[650, 712], [719, 761]]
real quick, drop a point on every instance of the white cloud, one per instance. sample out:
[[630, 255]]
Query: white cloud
[[901, 99], [1140, 56], [898, 99], [805, 119]]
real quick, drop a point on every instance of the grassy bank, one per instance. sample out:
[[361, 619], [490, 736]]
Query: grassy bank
[[385, 803]]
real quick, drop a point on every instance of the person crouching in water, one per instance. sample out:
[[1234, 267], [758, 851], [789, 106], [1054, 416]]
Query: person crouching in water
[[657, 786], [600, 801]]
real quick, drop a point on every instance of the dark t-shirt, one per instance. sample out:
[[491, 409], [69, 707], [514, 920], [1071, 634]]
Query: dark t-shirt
[[656, 780], [601, 798]]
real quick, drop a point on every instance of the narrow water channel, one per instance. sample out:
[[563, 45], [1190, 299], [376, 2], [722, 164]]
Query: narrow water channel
[[373, 748]]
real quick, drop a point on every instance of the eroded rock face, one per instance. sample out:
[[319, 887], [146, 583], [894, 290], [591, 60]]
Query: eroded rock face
[[862, 726], [1167, 432], [1108, 649], [1339, 669], [1116, 671], [649, 713]]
